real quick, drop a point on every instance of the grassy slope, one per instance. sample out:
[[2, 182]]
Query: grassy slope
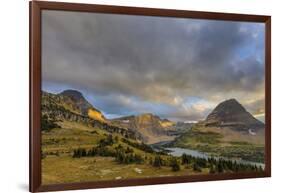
[[223, 142], [58, 166], [64, 169]]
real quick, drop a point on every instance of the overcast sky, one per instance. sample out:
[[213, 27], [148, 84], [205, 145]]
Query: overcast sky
[[176, 68]]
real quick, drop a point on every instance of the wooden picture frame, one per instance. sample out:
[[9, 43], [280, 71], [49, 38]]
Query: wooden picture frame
[[36, 8]]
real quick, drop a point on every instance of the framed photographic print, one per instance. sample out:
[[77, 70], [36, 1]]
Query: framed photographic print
[[123, 96]]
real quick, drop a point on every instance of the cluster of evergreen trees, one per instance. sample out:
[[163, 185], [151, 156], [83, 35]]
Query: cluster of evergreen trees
[[217, 165], [95, 151], [128, 158], [142, 146], [107, 141], [221, 165], [172, 162], [196, 163], [100, 150], [158, 161], [80, 152], [122, 155]]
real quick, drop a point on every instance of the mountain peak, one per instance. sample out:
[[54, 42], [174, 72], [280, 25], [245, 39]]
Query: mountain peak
[[77, 99], [231, 101], [231, 113], [231, 106], [74, 94], [146, 115], [147, 118], [78, 102]]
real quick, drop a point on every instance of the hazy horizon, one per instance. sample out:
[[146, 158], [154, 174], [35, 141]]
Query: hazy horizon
[[179, 69]]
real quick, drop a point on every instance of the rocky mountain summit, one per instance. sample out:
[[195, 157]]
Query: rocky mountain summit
[[231, 113], [76, 100], [79, 104]]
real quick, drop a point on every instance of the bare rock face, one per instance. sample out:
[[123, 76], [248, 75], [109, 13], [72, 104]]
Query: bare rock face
[[73, 101], [150, 127], [76, 101], [231, 113]]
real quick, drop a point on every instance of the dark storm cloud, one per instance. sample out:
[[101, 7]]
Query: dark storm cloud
[[153, 60]]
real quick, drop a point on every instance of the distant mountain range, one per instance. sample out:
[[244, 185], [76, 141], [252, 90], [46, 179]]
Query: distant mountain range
[[149, 128]]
